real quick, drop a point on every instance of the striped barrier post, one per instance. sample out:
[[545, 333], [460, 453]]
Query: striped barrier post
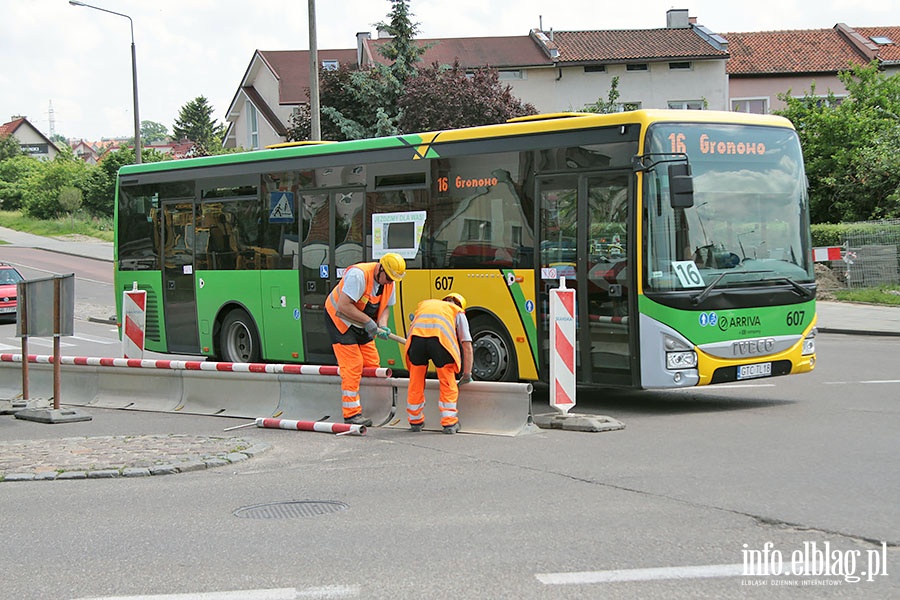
[[323, 426], [562, 345], [134, 313]]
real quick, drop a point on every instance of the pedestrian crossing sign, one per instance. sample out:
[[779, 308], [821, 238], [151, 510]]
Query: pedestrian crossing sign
[[281, 207]]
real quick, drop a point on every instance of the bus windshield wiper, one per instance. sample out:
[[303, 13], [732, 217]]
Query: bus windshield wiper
[[708, 289], [802, 291]]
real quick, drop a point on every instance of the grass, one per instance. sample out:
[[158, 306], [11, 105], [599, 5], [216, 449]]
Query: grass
[[79, 224], [885, 295]]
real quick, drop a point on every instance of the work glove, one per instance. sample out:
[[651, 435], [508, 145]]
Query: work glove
[[371, 328], [466, 378], [384, 333]]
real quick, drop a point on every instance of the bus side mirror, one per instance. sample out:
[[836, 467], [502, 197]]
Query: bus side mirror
[[681, 186]]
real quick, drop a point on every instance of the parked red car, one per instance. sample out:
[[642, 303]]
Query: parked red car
[[9, 277]]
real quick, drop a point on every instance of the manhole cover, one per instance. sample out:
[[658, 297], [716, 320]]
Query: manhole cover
[[290, 510]]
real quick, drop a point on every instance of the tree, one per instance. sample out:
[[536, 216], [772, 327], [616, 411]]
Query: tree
[[402, 48], [611, 104], [15, 172], [70, 201], [446, 98], [195, 123], [364, 104], [9, 147], [849, 146], [40, 198], [153, 133]]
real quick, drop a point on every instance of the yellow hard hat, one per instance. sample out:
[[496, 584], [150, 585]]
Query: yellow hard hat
[[457, 298], [394, 265]]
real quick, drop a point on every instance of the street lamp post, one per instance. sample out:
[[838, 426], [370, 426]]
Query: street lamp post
[[137, 118]]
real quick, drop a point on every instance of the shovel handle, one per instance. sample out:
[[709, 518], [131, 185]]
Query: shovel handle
[[391, 336]]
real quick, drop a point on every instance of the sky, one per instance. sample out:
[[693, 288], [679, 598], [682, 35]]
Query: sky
[[74, 63]]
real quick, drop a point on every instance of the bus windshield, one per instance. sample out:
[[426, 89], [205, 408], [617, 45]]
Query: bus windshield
[[749, 218]]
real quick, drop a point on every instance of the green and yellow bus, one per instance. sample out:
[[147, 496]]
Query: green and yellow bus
[[685, 234]]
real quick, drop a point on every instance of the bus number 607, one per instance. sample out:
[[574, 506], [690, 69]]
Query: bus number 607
[[795, 317], [443, 283]]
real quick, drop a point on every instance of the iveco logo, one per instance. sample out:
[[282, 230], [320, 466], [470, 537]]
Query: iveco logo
[[751, 347]]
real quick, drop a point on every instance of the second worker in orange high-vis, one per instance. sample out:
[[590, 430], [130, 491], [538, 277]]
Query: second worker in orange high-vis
[[357, 312], [438, 333]]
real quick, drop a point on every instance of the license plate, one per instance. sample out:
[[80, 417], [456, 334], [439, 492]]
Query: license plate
[[8, 309], [753, 371]]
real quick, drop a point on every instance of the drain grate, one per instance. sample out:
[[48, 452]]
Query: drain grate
[[290, 510]]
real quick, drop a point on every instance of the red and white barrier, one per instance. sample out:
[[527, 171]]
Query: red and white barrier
[[194, 365], [562, 347], [134, 311], [323, 426], [827, 253]]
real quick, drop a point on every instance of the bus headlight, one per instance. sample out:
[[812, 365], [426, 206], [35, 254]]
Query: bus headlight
[[809, 343], [684, 359]]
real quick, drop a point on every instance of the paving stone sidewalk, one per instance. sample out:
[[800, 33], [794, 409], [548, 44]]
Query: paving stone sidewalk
[[119, 456]]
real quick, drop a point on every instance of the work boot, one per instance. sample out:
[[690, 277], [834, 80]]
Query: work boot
[[358, 419], [416, 426], [451, 428]]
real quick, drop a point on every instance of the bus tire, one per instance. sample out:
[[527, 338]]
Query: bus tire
[[494, 357], [238, 339]]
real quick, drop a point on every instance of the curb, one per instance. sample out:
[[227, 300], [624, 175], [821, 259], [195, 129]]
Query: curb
[[171, 465]]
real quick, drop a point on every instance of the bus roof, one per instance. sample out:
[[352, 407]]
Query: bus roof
[[543, 123]]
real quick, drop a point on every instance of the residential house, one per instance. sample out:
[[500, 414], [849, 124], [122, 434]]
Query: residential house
[[764, 64], [85, 151], [32, 141], [679, 66]]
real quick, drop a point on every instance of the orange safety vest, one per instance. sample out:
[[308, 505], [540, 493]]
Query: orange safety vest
[[436, 318], [367, 298]]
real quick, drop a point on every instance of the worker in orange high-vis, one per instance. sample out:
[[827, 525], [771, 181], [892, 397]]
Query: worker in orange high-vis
[[439, 333], [357, 312]]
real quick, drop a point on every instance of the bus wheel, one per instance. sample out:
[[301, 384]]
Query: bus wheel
[[493, 352], [238, 341]]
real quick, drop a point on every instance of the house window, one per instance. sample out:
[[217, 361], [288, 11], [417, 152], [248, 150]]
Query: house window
[[680, 66], [511, 74], [477, 230], [686, 104], [516, 235], [595, 68], [637, 67], [252, 126], [329, 65], [756, 106], [626, 106]]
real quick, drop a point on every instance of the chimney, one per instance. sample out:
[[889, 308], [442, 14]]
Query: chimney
[[677, 18], [361, 38]]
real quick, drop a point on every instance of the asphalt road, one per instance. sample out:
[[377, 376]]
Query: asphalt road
[[673, 506], [693, 478]]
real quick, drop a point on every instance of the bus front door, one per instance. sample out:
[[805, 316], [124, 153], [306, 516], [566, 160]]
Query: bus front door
[[585, 237], [179, 301]]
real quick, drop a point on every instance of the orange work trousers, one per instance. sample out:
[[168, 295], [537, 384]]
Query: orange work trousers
[[352, 359], [415, 396]]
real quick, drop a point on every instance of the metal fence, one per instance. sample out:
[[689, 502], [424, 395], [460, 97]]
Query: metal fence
[[871, 251]]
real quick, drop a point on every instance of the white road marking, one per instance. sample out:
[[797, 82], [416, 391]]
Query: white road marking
[[326, 591], [653, 574]]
